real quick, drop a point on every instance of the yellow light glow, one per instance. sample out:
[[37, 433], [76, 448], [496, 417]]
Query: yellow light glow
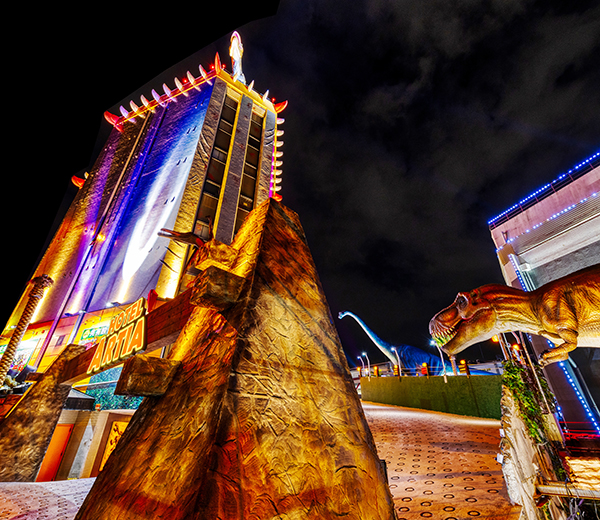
[[39, 306]]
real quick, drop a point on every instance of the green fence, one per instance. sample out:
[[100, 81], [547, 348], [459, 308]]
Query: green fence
[[477, 396]]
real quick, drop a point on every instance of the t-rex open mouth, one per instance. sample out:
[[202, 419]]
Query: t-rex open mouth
[[442, 337]]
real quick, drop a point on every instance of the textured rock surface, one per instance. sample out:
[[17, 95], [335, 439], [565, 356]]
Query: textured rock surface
[[26, 432], [262, 420]]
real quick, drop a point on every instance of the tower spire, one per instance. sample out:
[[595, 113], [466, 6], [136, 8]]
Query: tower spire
[[236, 51]]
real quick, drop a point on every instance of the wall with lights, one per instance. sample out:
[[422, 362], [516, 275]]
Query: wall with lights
[[155, 171], [545, 236]]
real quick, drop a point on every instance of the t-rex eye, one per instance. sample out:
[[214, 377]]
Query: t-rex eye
[[461, 301]]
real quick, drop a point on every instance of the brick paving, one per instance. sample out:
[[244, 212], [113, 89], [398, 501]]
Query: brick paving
[[58, 500], [440, 466]]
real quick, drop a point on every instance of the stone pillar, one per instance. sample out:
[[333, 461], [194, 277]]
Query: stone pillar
[[37, 291], [25, 434]]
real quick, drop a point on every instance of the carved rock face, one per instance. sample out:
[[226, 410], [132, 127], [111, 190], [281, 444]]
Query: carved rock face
[[470, 319]]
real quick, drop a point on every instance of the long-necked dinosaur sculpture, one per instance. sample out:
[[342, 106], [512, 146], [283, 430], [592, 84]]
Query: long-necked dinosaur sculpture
[[409, 356], [565, 311]]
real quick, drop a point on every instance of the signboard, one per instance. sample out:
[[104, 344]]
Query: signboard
[[90, 336], [125, 337]]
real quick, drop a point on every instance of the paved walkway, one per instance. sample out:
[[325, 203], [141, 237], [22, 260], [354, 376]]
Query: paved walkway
[[439, 465], [58, 500]]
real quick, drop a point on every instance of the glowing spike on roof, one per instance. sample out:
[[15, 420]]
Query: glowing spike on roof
[[279, 133], [167, 90], [276, 188], [111, 118], [277, 197], [277, 180], [133, 106], [278, 143], [217, 62], [251, 85], [78, 181], [123, 111], [204, 74], [280, 107], [276, 172], [265, 95], [179, 86], [157, 98], [278, 153], [146, 103], [278, 163], [280, 120], [192, 80]]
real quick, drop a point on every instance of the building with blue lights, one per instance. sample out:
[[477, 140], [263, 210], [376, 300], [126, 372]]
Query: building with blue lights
[[549, 234]]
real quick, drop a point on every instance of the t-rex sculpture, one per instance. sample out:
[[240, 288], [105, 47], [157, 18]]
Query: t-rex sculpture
[[565, 311], [409, 356]]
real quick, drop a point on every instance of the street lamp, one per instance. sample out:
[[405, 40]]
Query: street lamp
[[368, 365], [442, 359], [398, 358], [363, 365]]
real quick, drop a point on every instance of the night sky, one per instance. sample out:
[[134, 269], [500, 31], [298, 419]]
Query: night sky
[[410, 124]]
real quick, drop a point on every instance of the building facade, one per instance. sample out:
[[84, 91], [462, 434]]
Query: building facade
[[195, 159], [550, 234]]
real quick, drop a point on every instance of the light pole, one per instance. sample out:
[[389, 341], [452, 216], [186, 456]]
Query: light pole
[[363, 365], [442, 359], [398, 358], [368, 365]]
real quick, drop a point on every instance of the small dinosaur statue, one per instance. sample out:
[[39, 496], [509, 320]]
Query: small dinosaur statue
[[565, 311], [409, 356]]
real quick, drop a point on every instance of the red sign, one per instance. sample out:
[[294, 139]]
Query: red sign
[[126, 336]]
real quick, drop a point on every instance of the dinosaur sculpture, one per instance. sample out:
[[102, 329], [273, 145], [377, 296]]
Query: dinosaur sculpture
[[409, 356], [565, 311]]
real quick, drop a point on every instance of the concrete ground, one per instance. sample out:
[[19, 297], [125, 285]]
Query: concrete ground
[[439, 466]]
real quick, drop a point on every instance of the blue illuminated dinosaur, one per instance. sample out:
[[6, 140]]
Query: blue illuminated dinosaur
[[410, 357]]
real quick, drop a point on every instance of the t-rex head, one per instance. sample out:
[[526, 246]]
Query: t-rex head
[[470, 319]]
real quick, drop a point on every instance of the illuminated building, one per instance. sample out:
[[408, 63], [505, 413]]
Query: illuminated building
[[549, 234], [195, 158]]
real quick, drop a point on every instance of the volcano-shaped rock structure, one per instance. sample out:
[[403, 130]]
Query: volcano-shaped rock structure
[[261, 420]]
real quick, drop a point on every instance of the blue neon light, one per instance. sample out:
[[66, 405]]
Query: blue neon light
[[581, 398], [544, 189]]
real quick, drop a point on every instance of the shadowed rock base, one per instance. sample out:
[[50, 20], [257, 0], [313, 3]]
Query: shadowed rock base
[[26, 432], [261, 420]]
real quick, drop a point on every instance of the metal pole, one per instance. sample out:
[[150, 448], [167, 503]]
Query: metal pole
[[368, 365], [453, 363], [363, 365], [443, 364], [398, 358]]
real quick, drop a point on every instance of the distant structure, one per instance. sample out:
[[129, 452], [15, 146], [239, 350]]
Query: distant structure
[[195, 159], [553, 232]]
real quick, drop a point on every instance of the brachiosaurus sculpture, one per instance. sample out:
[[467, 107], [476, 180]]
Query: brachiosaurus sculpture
[[565, 311], [409, 356]]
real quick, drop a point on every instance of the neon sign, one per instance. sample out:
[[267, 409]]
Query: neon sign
[[126, 336]]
